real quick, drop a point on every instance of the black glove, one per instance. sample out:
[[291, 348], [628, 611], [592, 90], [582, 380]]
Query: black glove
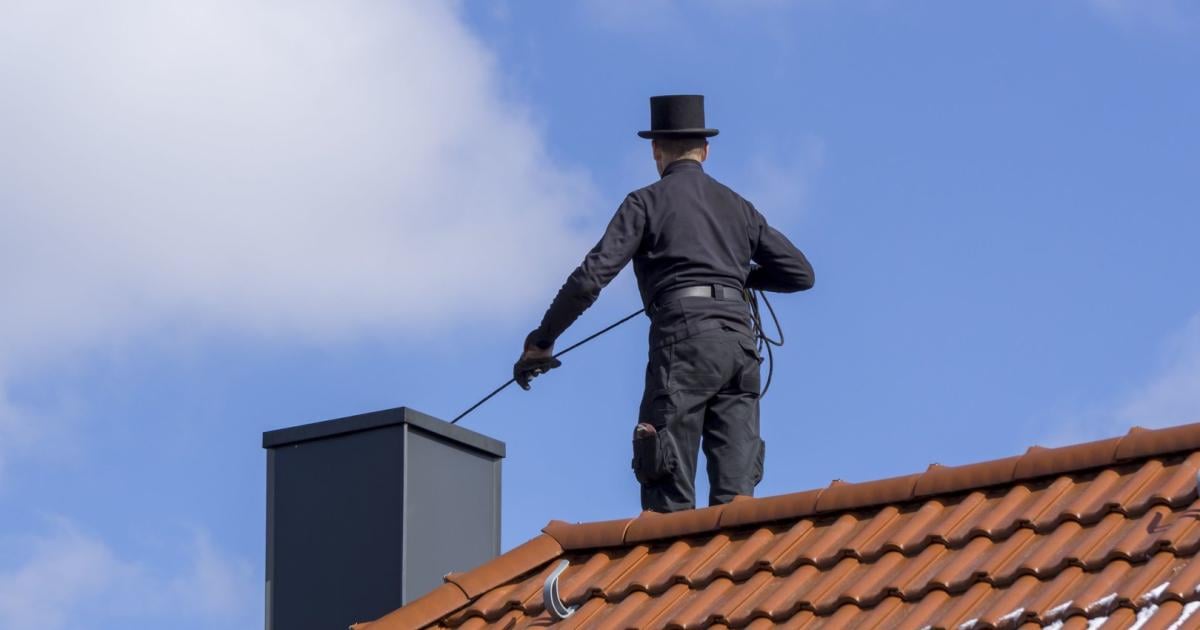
[[525, 370]]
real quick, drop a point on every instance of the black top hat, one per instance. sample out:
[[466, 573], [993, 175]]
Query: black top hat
[[677, 116]]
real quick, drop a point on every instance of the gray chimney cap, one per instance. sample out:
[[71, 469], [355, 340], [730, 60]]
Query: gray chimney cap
[[376, 419]]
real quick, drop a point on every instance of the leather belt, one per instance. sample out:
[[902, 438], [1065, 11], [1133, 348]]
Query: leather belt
[[714, 291]]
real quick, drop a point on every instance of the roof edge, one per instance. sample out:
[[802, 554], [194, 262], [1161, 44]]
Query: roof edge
[[460, 589], [505, 567], [422, 611]]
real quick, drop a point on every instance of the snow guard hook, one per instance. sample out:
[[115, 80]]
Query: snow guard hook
[[550, 597]]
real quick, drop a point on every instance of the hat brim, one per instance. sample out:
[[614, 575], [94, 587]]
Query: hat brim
[[678, 133]]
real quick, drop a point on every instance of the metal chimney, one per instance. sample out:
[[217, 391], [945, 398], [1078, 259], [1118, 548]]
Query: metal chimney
[[367, 513]]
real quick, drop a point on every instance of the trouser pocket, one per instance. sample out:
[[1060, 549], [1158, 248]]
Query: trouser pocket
[[751, 349], [653, 457]]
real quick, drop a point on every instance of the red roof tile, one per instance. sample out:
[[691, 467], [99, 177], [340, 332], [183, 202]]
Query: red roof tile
[[1098, 534]]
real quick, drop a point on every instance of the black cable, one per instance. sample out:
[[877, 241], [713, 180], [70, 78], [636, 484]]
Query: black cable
[[764, 341], [483, 400], [597, 334], [568, 349]]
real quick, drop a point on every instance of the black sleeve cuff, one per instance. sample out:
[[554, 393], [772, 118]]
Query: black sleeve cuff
[[539, 340]]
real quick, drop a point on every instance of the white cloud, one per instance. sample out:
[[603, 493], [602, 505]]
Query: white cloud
[[1173, 395], [67, 578], [64, 570], [283, 167], [1170, 15], [17, 430], [779, 182], [1168, 397], [216, 584], [287, 169]]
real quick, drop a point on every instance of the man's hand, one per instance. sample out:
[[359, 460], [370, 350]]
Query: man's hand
[[534, 362]]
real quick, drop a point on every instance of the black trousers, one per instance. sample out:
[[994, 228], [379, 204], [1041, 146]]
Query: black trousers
[[700, 390]]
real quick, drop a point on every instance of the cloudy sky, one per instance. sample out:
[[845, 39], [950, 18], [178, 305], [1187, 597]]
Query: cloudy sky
[[223, 217]]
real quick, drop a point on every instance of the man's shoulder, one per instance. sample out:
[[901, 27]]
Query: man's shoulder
[[714, 182], [720, 191]]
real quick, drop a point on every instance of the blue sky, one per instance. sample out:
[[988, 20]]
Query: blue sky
[[223, 218]]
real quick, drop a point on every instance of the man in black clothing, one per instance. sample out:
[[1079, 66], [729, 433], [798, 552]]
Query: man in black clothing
[[696, 247]]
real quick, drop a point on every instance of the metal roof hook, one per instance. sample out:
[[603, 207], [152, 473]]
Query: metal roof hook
[[550, 597]]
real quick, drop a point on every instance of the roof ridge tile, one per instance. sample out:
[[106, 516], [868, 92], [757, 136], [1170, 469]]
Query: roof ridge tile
[[1040, 462], [766, 509], [950, 479], [655, 526], [845, 496], [1139, 442], [573, 536]]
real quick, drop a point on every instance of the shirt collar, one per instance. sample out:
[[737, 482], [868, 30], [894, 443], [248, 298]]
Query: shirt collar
[[682, 165]]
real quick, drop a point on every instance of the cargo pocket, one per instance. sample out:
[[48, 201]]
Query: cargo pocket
[[751, 350], [758, 461], [750, 377], [653, 457]]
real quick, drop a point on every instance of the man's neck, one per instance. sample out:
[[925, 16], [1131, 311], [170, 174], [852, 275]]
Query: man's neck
[[676, 164]]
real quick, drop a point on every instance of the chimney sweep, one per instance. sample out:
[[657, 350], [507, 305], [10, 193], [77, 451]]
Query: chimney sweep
[[698, 249]]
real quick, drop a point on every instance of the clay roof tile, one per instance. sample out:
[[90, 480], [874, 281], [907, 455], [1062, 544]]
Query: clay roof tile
[[1080, 535]]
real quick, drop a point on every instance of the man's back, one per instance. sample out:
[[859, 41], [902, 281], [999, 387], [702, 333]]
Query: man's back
[[696, 246], [697, 232]]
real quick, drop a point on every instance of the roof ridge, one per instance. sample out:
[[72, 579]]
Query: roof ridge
[[1037, 462]]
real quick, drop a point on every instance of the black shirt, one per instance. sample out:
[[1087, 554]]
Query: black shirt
[[686, 229]]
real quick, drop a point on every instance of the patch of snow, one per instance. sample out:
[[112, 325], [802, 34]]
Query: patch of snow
[[1012, 616], [1144, 615], [1102, 603], [1059, 609], [1155, 593], [1188, 611]]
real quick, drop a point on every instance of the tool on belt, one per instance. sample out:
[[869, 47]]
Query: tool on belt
[[715, 291]]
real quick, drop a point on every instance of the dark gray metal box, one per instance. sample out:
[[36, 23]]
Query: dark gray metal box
[[369, 512]]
